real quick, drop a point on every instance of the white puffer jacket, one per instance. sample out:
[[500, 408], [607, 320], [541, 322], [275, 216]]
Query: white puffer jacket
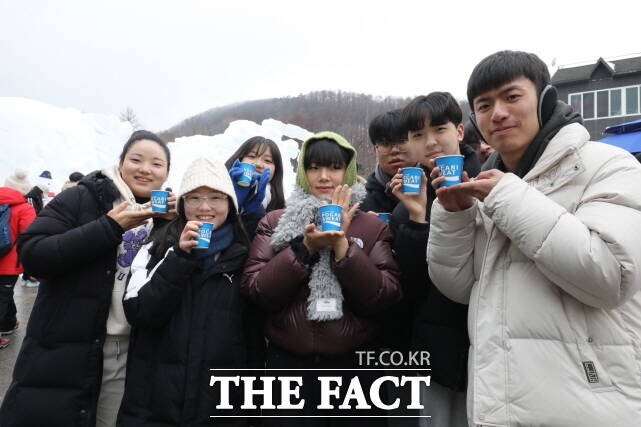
[[551, 268]]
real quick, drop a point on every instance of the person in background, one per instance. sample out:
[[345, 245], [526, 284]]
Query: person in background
[[265, 193], [186, 310], [471, 137], [389, 138], [485, 151], [74, 179], [474, 140], [15, 214], [264, 154], [71, 368], [322, 292], [35, 197]]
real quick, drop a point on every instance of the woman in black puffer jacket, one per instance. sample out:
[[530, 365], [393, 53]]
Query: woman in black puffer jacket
[[187, 314], [70, 370]]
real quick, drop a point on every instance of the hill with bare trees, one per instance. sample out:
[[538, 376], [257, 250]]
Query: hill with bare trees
[[347, 113]]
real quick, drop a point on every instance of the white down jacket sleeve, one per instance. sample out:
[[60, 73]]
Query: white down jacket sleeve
[[593, 254], [450, 251]]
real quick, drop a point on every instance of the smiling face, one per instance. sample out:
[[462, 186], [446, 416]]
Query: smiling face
[[323, 179], [144, 167], [507, 118], [261, 157], [206, 205], [433, 141]]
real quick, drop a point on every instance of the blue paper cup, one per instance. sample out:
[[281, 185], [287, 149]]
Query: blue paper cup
[[412, 178], [204, 235], [451, 168], [331, 217], [385, 216], [159, 201], [248, 172]]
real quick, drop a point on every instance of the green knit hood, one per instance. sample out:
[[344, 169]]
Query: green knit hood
[[350, 172]]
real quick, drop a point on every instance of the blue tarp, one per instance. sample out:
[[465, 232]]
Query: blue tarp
[[627, 141], [628, 127]]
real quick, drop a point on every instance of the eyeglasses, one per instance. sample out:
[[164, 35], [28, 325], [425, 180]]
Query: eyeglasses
[[194, 201], [399, 145]]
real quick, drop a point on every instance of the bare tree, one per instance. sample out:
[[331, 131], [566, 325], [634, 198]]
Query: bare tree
[[346, 113], [129, 115]]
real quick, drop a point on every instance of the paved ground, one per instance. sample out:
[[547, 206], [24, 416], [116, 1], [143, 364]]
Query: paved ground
[[24, 298]]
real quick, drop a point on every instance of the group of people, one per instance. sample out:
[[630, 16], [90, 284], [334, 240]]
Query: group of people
[[521, 281]]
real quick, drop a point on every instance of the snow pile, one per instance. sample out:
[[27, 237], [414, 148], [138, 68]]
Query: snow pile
[[36, 136], [221, 146]]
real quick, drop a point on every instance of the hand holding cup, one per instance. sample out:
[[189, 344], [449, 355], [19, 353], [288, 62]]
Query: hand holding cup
[[189, 235], [416, 205], [163, 204], [342, 196], [129, 219]]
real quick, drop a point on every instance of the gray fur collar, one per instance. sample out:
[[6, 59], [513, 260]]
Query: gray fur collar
[[325, 301]]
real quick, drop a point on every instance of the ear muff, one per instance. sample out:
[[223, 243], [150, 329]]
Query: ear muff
[[547, 103], [472, 118]]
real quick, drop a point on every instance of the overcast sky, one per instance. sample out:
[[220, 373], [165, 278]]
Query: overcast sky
[[171, 59]]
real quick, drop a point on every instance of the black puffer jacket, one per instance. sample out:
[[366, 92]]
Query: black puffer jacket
[[438, 324], [186, 321], [71, 247], [379, 198]]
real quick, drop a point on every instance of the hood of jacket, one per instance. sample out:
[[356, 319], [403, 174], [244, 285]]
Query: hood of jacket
[[350, 173], [101, 188], [9, 196]]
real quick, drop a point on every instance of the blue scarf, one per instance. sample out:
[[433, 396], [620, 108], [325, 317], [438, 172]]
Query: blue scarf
[[221, 238]]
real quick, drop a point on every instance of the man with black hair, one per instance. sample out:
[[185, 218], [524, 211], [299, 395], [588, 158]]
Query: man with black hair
[[544, 246], [392, 152], [437, 324]]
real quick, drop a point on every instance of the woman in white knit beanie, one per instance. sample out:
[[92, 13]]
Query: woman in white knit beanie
[[186, 310]]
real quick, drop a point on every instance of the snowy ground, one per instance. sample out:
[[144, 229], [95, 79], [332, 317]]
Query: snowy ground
[[36, 136]]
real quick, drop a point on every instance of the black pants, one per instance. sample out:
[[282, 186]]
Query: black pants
[[310, 391], [7, 305]]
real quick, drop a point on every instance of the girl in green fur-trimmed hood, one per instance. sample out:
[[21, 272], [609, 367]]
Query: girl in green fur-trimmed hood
[[322, 292]]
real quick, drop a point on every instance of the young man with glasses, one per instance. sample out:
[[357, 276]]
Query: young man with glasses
[[392, 152]]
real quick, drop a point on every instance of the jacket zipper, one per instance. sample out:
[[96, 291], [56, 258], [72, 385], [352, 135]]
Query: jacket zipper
[[476, 308]]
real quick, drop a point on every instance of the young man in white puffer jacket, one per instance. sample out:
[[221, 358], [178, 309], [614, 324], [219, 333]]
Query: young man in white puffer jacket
[[545, 246]]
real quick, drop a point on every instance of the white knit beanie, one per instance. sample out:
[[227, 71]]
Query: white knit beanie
[[18, 181], [208, 173]]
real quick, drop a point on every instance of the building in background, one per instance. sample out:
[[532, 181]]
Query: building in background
[[605, 93]]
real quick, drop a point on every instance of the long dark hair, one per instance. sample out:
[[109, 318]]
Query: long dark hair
[[261, 144], [168, 235], [34, 197]]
